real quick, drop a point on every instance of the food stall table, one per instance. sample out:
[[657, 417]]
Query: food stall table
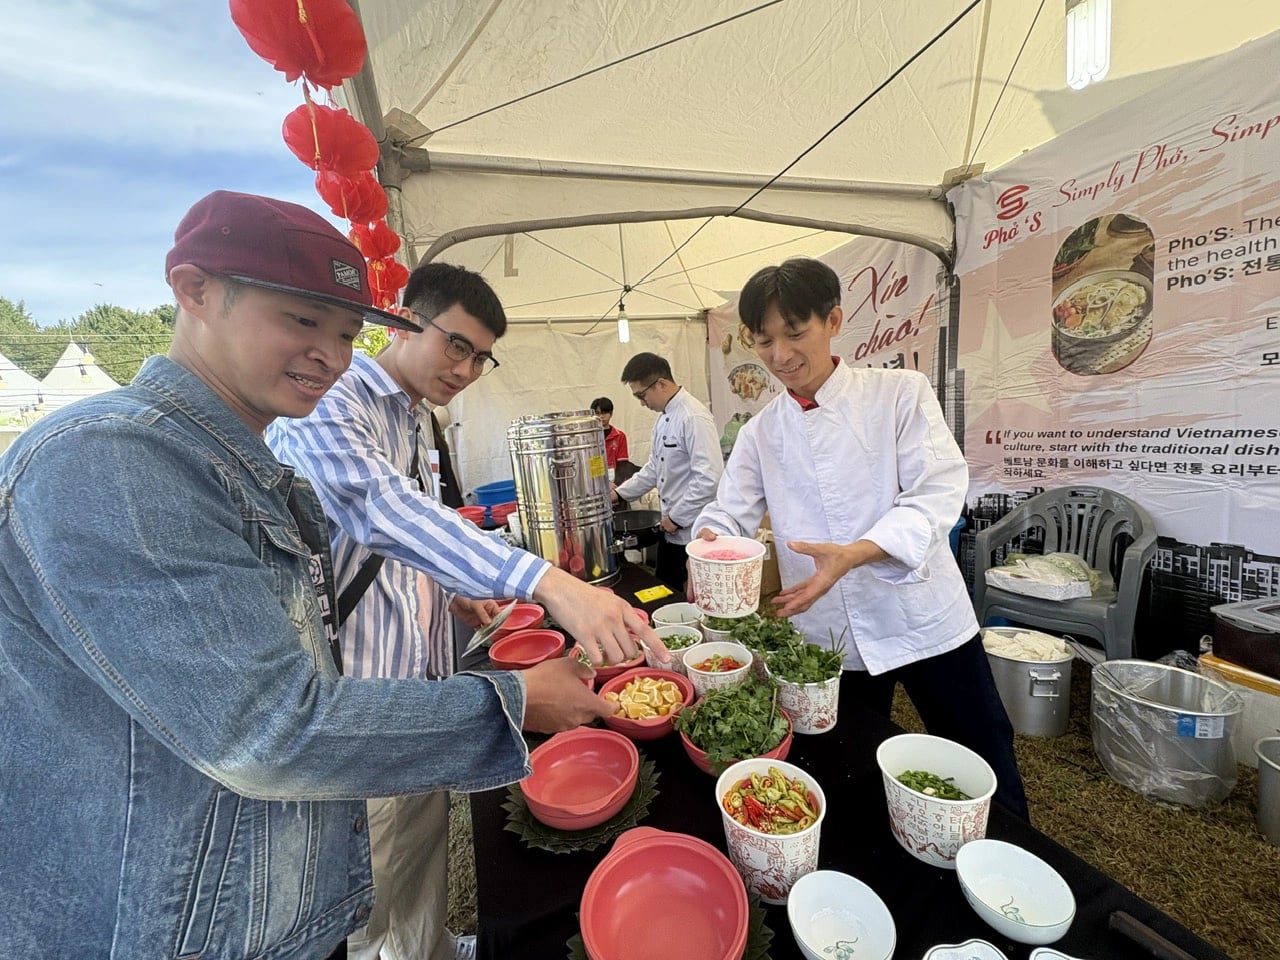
[[528, 899]]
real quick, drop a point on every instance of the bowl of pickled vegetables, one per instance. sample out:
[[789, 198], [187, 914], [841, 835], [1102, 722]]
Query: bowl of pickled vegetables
[[938, 793], [645, 701], [772, 813]]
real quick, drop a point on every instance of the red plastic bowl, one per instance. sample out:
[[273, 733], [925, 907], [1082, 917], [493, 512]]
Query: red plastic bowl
[[654, 727], [474, 514], [661, 894], [617, 669], [699, 756], [523, 649], [523, 616], [581, 778]]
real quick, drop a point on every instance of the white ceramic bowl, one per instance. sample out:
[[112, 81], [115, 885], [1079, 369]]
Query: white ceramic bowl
[[969, 950], [688, 634], [702, 679], [835, 915], [718, 636], [1015, 892], [682, 614], [929, 828]]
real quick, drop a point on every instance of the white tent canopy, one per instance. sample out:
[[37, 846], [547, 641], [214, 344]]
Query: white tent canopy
[[18, 389], [74, 376], [692, 129], [566, 198]]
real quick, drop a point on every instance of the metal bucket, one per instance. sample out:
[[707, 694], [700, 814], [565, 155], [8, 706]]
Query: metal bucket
[[1036, 693], [1165, 732], [562, 487], [1268, 751]]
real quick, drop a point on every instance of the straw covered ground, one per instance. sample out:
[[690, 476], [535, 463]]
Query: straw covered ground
[[1210, 869]]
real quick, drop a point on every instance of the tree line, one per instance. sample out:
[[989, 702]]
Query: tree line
[[119, 339]]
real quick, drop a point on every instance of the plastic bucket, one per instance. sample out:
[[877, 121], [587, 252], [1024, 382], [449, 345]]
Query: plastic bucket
[[1268, 751], [489, 494], [1165, 732], [1035, 693]]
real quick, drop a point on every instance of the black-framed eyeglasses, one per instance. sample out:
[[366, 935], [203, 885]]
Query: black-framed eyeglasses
[[639, 394], [458, 347]]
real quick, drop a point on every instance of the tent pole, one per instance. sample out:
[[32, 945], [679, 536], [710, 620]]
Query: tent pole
[[422, 161], [448, 239]]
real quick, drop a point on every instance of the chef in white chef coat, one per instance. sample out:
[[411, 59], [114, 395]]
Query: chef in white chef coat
[[863, 481], [684, 462]]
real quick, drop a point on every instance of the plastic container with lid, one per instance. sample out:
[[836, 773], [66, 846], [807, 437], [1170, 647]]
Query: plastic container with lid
[[1248, 634]]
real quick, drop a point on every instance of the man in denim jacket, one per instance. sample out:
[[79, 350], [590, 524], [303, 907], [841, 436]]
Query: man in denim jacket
[[183, 763]]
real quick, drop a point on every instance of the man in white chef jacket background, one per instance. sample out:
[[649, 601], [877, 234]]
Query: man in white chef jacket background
[[863, 481], [684, 462]]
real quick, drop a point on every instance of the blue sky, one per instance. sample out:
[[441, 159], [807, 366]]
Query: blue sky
[[117, 116]]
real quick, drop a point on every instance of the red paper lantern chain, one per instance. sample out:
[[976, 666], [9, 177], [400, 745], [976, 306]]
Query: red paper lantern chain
[[321, 42]]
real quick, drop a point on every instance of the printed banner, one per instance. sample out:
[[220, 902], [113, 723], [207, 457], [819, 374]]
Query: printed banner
[[891, 302], [1120, 318]]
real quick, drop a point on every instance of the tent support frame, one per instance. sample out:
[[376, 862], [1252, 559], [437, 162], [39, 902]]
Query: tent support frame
[[462, 234]]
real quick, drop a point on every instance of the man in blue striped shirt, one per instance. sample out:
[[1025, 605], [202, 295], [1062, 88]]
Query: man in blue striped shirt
[[356, 448]]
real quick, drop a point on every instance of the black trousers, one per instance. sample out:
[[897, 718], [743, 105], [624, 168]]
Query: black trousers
[[956, 697], [671, 567]]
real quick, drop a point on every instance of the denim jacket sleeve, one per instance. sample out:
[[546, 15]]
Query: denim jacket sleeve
[[156, 566]]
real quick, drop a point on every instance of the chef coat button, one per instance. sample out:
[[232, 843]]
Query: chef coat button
[[362, 913], [359, 825]]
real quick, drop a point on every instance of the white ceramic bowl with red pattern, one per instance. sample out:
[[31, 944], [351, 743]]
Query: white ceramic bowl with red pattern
[[927, 827], [770, 863]]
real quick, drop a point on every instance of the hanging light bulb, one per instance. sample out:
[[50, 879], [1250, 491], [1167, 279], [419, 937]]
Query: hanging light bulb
[[624, 325], [87, 357], [84, 374], [1088, 42]]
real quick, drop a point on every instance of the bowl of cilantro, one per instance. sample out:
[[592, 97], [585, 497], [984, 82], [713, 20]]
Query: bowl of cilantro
[[732, 724], [808, 679]]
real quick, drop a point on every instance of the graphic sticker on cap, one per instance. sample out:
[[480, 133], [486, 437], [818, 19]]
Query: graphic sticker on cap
[[345, 274]]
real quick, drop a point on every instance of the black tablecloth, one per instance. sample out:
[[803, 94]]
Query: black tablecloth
[[528, 899]]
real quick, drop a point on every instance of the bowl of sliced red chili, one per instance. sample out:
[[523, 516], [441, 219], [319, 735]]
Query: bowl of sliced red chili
[[714, 665], [772, 813]]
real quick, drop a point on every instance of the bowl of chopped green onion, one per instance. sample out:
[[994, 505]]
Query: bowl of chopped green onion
[[938, 793]]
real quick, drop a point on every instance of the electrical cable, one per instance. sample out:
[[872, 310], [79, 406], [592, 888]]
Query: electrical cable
[[603, 66], [809, 149]]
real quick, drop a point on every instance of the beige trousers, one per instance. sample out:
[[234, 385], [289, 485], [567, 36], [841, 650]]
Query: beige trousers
[[409, 842]]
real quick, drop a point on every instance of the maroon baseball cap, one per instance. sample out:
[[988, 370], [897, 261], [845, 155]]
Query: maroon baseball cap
[[280, 246]]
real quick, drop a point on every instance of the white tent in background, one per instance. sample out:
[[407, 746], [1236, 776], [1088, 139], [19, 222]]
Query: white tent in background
[[19, 391], [74, 376]]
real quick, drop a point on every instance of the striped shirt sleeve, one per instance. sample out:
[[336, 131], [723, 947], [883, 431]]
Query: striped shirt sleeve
[[345, 449]]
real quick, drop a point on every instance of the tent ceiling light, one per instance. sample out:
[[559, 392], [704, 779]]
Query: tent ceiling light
[[1088, 42], [624, 325]]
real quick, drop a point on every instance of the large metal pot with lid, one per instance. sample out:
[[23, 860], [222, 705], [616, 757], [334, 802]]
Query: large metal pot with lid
[[562, 487]]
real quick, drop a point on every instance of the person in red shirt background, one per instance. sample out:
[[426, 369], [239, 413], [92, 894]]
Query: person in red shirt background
[[615, 441]]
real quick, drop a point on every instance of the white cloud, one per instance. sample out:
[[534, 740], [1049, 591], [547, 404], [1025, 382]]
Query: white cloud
[[118, 115], [143, 74]]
